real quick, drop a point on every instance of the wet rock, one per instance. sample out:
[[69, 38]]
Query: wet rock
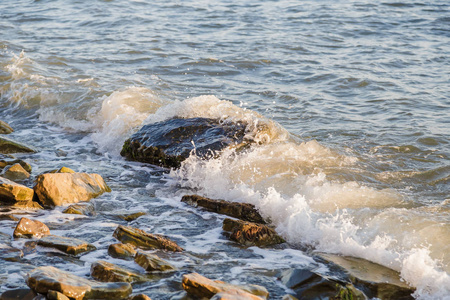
[[5, 128], [29, 205], [86, 209], [18, 294], [122, 251], [5, 161], [151, 262], [140, 297], [45, 279], [202, 287], [12, 192], [27, 228], [8, 217], [170, 142], [142, 239], [55, 295], [67, 245], [108, 272], [289, 297], [65, 188], [132, 216], [235, 295], [251, 234], [16, 173], [10, 253], [10, 146], [243, 211], [374, 280]]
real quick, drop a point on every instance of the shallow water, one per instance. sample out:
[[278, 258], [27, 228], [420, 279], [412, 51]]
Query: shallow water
[[352, 99]]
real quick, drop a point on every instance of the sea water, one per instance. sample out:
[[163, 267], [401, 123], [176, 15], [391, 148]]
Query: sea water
[[348, 102]]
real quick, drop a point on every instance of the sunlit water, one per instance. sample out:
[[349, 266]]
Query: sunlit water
[[352, 99]]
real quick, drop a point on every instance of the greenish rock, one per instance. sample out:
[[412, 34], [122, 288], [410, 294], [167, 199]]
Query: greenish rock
[[86, 209], [131, 216], [44, 279], [16, 173], [151, 262], [375, 280], [67, 245], [251, 234], [243, 211], [5, 128], [108, 272], [9, 161], [10, 146], [122, 251], [142, 239]]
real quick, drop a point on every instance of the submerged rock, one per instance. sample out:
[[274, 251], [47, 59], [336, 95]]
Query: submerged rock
[[142, 239], [251, 234], [151, 262], [86, 209], [243, 211], [30, 228], [5, 128], [108, 272], [71, 246], [9, 146], [9, 161], [122, 251], [12, 192], [170, 142], [131, 216], [65, 188], [9, 253], [45, 279], [202, 287], [16, 172], [375, 280]]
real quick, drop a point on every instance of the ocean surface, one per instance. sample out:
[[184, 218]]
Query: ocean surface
[[353, 96]]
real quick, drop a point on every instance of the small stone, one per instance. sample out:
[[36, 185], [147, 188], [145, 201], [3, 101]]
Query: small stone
[[16, 173], [9, 146], [243, 211], [12, 192], [151, 262], [108, 272], [235, 295], [5, 128], [122, 251], [142, 239], [132, 216], [9, 161], [55, 295], [289, 297], [251, 234], [27, 228], [65, 170], [140, 297], [71, 246], [86, 209]]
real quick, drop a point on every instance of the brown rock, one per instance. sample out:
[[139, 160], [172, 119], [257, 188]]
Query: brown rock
[[44, 279], [289, 297], [54, 295], [71, 246], [235, 295], [142, 239], [243, 211], [22, 294], [9, 146], [132, 216], [11, 192], [202, 287], [122, 251], [16, 172], [251, 234], [5, 128], [65, 188], [376, 280], [86, 209], [108, 272], [151, 262], [27, 228], [140, 297]]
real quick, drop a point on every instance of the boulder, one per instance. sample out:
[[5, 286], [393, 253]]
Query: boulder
[[9, 146], [30, 228], [45, 279], [67, 245], [15, 173], [12, 192], [108, 272], [375, 280], [5, 128], [202, 287], [151, 262], [144, 240], [251, 234], [169, 142], [86, 209], [122, 251], [243, 211], [55, 189]]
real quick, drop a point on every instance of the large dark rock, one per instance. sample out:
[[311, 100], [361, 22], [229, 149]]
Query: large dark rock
[[170, 142], [251, 234], [243, 211]]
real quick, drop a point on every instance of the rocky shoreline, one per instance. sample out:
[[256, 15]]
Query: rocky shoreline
[[147, 252]]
